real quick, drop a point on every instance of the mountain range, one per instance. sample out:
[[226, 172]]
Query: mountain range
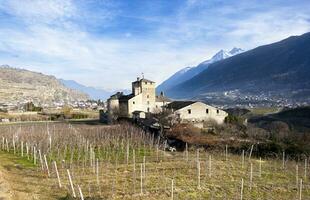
[[280, 69], [189, 72], [92, 92]]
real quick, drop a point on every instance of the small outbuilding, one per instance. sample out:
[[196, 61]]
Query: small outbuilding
[[195, 111]]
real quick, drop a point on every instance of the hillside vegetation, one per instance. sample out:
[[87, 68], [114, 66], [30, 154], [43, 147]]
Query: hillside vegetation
[[21, 86]]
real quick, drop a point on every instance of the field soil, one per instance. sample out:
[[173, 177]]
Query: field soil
[[19, 180]]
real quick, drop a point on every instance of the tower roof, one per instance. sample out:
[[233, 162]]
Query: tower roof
[[144, 80]]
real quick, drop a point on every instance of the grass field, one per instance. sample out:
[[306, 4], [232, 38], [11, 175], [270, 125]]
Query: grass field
[[122, 162]]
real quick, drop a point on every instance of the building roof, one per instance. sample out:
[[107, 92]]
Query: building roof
[[126, 97], [145, 80], [161, 98], [137, 112], [176, 105], [116, 95]]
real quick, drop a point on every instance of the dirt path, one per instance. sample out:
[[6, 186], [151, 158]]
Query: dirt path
[[20, 181], [4, 188]]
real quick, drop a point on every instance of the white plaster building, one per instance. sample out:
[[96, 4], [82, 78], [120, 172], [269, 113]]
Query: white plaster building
[[196, 112]]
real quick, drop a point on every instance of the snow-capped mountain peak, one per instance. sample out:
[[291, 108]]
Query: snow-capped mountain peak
[[184, 70], [236, 51], [189, 72], [220, 55]]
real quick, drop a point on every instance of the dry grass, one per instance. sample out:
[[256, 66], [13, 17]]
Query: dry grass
[[118, 179]]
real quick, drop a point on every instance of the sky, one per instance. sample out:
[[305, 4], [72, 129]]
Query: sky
[[108, 43]]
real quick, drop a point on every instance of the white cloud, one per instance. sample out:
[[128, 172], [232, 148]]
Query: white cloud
[[269, 27], [54, 43], [44, 11]]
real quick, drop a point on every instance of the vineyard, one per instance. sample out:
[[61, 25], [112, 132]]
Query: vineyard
[[123, 162]]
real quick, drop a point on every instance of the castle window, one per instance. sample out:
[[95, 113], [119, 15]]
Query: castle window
[[217, 111], [133, 102], [148, 109], [145, 83], [207, 111], [148, 96], [189, 111], [148, 102]]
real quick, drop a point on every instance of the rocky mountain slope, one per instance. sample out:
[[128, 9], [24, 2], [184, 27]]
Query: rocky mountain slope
[[18, 86], [189, 72], [281, 69]]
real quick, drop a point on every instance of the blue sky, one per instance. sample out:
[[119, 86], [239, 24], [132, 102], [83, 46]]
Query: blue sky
[[107, 43]]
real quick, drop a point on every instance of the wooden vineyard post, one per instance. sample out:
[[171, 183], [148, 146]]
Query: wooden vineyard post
[[57, 174], [226, 152], [297, 179], [283, 160], [300, 189], [80, 192], [251, 176], [22, 148], [41, 160], [172, 188], [127, 153], [210, 166], [46, 165], [27, 150], [241, 191], [197, 155], [134, 170], [198, 174], [7, 145], [306, 166], [14, 145], [251, 152], [97, 171], [157, 153], [2, 146], [71, 184], [141, 179], [260, 167], [34, 156], [143, 166], [94, 162], [186, 152], [242, 159]]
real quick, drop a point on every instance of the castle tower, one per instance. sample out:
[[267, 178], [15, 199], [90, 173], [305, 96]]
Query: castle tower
[[146, 89]]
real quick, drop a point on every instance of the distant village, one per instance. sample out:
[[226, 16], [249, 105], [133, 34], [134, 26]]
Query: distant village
[[29, 111], [20, 106]]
